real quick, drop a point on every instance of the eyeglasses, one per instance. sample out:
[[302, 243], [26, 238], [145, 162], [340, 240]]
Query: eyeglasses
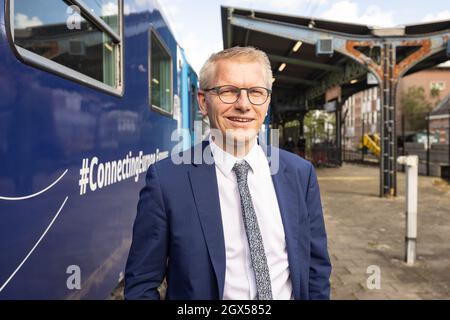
[[230, 94]]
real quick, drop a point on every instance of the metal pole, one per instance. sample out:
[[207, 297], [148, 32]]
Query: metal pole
[[385, 150], [344, 141], [388, 127], [339, 133], [362, 137], [403, 139], [382, 133], [392, 124], [411, 163], [428, 144]]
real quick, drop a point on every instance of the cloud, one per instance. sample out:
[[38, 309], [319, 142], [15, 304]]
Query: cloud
[[443, 15], [197, 49], [296, 4], [109, 9], [22, 21], [296, 7], [172, 9], [172, 12], [143, 3], [445, 64], [127, 9], [348, 11]]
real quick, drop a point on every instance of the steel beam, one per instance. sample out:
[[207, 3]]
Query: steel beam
[[352, 70], [229, 27], [296, 80], [305, 63], [386, 69]]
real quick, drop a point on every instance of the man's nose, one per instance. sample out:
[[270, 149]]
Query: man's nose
[[243, 103]]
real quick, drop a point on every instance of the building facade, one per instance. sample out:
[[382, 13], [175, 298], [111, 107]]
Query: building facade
[[362, 110], [440, 120]]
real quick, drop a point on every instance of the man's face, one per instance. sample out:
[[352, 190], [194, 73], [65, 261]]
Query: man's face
[[241, 119]]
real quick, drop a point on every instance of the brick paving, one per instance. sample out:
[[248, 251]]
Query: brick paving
[[365, 230]]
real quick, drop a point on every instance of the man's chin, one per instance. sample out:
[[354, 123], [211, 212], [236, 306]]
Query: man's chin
[[236, 137], [242, 140], [241, 137]]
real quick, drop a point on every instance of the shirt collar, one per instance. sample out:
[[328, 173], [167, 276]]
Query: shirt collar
[[225, 161]]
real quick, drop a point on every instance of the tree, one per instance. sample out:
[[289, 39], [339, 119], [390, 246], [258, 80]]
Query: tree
[[315, 129], [415, 107], [435, 95]]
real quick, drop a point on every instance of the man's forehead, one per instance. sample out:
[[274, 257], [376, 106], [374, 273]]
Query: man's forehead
[[234, 68], [238, 61]]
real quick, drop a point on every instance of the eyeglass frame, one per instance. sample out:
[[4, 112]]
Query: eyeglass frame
[[216, 90]]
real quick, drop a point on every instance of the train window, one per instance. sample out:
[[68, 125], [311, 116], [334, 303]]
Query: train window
[[160, 81], [108, 10], [78, 42]]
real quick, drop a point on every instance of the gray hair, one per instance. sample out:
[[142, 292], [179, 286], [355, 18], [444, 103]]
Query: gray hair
[[247, 54]]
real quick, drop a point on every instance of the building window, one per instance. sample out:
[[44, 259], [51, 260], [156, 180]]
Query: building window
[[81, 42], [160, 81], [437, 85]]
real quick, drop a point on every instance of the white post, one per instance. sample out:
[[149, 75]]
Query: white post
[[411, 163]]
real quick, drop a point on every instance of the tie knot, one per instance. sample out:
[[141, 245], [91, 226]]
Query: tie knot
[[241, 170]]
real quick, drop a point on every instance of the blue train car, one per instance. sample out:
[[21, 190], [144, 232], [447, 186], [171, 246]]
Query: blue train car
[[90, 93]]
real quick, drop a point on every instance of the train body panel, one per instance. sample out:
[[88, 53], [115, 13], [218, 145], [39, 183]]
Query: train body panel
[[58, 221]]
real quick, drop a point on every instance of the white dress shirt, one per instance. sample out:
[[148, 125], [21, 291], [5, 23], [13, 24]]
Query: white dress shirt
[[240, 281]]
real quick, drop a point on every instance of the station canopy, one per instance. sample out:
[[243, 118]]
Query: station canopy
[[316, 62]]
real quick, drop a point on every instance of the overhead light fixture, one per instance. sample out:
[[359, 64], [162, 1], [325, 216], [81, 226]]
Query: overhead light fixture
[[297, 46], [354, 81], [281, 67], [155, 81]]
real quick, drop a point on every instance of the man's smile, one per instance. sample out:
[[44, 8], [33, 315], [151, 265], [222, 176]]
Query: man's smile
[[240, 121]]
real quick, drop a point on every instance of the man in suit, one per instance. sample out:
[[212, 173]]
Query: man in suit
[[245, 225]]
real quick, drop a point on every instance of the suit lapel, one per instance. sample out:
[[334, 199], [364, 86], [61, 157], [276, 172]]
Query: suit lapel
[[287, 195], [206, 194]]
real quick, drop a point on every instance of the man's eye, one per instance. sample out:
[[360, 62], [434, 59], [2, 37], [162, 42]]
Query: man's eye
[[228, 91], [256, 92]]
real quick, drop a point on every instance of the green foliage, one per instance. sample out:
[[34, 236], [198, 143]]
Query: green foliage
[[314, 124], [415, 106], [435, 95]]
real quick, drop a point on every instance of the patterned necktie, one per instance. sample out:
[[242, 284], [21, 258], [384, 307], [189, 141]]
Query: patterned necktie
[[255, 242]]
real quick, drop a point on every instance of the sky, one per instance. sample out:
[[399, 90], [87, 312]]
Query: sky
[[198, 28]]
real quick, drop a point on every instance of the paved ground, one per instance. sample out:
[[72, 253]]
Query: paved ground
[[365, 230]]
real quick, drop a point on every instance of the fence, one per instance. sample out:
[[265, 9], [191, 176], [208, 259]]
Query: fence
[[360, 156], [433, 161]]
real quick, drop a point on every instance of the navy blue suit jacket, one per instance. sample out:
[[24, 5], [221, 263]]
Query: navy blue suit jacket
[[178, 231]]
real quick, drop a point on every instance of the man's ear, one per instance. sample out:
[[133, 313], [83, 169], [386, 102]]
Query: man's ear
[[268, 107], [201, 98]]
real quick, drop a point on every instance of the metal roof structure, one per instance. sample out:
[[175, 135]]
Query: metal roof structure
[[336, 60]]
